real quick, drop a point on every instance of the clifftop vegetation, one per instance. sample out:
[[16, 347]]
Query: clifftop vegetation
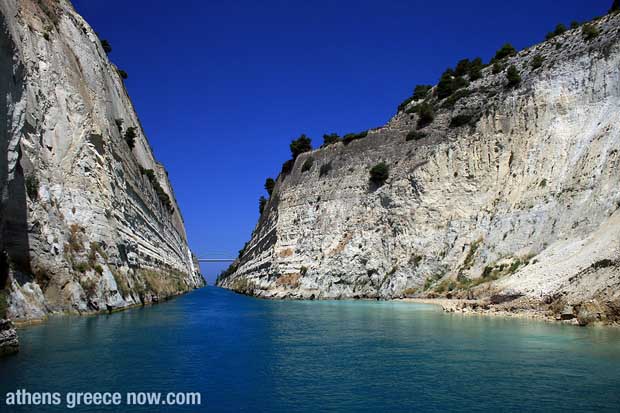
[[454, 85]]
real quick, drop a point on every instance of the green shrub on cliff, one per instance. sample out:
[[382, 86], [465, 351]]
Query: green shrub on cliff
[[505, 51], [513, 76], [537, 61], [269, 185], [421, 91], [475, 69], [106, 46], [300, 145], [330, 139], [427, 115], [446, 85], [589, 32], [450, 83], [498, 68], [615, 7], [350, 137], [379, 173], [122, 74], [462, 67], [130, 137], [446, 285], [81, 267], [559, 30], [262, 202], [159, 191]]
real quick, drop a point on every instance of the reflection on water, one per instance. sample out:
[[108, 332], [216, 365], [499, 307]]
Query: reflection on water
[[245, 354]]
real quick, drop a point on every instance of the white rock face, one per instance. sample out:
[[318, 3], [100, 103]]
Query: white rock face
[[83, 227], [531, 183]]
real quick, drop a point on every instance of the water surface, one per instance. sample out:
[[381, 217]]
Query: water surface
[[245, 354]]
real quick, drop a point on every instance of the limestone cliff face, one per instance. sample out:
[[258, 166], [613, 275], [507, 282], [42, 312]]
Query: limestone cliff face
[[85, 221], [522, 200]]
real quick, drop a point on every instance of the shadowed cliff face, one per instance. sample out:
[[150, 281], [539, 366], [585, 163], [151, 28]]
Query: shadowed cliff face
[[514, 199], [14, 245], [86, 224]]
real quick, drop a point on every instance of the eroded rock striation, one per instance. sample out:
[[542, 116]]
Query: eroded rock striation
[[89, 221], [511, 192]]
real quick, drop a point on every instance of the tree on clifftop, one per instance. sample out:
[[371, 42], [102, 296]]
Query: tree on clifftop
[[106, 46], [615, 7], [507, 50], [300, 145], [330, 139]]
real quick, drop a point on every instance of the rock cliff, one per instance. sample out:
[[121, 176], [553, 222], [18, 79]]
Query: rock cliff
[[510, 192], [89, 221]]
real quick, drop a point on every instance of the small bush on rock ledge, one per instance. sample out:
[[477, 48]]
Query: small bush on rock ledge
[[427, 115], [589, 32], [379, 173], [513, 76], [537, 61], [130, 137]]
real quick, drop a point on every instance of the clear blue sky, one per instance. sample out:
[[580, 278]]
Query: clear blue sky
[[221, 87]]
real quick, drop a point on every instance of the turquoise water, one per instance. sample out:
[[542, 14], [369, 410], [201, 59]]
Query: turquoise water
[[245, 354]]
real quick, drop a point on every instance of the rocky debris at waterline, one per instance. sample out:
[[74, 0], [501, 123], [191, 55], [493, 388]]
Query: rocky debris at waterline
[[88, 218], [8, 338], [582, 314], [517, 202]]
